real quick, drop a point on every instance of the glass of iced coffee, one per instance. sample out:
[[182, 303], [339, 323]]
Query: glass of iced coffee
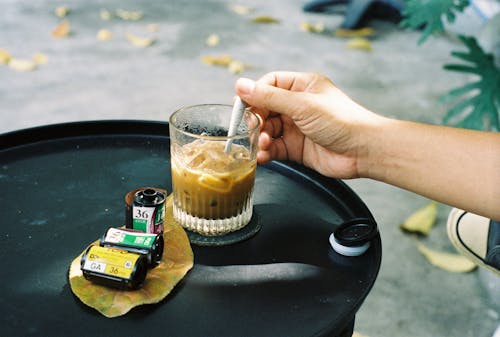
[[212, 174]]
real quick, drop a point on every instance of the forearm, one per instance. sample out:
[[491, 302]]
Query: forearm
[[454, 166]]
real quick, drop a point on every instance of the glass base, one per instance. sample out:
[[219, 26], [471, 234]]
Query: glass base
[[213, 227]]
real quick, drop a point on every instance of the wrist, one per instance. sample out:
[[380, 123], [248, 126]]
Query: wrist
[[371, 154]]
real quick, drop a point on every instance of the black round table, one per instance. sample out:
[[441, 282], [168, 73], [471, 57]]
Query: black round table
[[63, 185]]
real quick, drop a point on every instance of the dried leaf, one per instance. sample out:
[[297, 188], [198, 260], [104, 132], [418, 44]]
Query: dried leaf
[[177, 260], [241, 10], [129, 15], [422, 220], [40, 58], [451, 262], [237, 67], [62, 11], [225, 60], [153, 27], [104, 35], [362, 32], [140, 42], [105, 14], [4, 56], [357, 334], [212, 40], [359, 43], [265, 19], [220, 60], [318, 27], [22, 65], [62, 30]]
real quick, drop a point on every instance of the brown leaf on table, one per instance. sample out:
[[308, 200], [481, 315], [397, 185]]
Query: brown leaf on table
[[177, 260], [265, 19], [422, 220], [451, 262], [62, 30], [359, 43], [362, 32], [140, 42], [22, 65], [4, 56]]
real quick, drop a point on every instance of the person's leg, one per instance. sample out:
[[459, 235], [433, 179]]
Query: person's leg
[[476, 237], [358, 12]]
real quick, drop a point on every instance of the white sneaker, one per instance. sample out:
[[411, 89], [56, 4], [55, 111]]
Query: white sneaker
[[476, 237]]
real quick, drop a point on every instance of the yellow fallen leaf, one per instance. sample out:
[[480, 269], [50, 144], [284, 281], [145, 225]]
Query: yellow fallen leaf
[[225, 60], [40, 58], [318, 27], [265, 19], [237, 67], [241, 10], [104, 35], [140, 42], [22, 65], [359, 43], [220, 60], [129, 15], [362, 32], [357, 334], [4, 56], [177, 260], [212, 40], [105, 14], [62, 11], [422, 220], [153, 27], [62, 30], [451, 262]]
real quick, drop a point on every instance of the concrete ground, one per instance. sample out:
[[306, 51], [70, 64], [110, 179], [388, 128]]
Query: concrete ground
[[87, 79]]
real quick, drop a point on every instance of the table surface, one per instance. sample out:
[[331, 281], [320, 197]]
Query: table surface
[[63, 185]]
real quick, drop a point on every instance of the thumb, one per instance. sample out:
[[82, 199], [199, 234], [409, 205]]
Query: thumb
[[268, 97]]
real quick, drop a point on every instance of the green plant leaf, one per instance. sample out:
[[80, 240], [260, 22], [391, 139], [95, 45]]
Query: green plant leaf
[[462, 90], [429, 15], [478, 104]]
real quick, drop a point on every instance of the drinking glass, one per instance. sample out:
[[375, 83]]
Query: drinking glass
[[212, 187]]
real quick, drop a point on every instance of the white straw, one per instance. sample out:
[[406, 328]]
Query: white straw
[[236, 117]]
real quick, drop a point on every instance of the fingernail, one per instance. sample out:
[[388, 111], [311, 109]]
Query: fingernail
[[245, 86]]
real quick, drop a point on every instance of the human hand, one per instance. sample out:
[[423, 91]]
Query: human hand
[[307, 119]]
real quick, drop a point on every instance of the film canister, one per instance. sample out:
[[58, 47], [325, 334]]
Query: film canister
[[113, 267], [148, 244], [352, 238], [147, 211]]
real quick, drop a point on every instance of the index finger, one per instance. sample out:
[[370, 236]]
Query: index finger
[[288, 80]]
